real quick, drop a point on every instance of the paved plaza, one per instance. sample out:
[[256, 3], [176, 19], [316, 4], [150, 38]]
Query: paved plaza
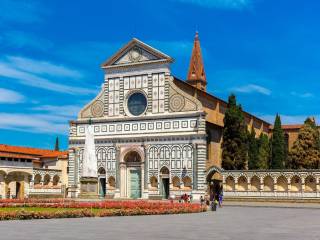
[[234, 223]]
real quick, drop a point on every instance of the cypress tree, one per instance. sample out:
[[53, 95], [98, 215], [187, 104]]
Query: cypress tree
[[305, 152], [263, 152], [253, 149], [234, 144], [277, 145], [56, 146]]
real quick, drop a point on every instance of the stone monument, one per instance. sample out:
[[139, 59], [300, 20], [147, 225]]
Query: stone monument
[[89, 177]]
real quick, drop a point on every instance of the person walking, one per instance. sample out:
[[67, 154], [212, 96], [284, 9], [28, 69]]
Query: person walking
[[220, 198], [201, 201]]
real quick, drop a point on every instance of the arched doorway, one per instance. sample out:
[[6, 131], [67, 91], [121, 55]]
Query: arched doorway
[[214, 181], [165, 182], [102, 181], [15, 184], [133, 162]]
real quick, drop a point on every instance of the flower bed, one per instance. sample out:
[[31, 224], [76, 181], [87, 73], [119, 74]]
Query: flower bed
[[36, 209]]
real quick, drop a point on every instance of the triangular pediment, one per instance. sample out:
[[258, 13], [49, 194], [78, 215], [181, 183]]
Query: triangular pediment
[[134, 53]]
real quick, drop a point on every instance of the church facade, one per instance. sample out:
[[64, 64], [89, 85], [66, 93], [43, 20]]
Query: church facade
[[155, 135]]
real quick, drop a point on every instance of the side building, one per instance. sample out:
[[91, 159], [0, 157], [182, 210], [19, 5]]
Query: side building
[[32, 172]]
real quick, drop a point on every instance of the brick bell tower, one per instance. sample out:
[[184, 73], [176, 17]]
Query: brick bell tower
[[196, 74]]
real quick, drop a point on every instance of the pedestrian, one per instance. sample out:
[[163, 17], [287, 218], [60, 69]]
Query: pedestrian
[[220, 199], [186, 198], [214, 204], [201, 201]]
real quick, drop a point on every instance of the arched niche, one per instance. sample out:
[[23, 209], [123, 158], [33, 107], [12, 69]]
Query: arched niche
[[268, 184], [282, 184], [242, 183], [310, 184], [255, 184], [230, 183], [296, 185]]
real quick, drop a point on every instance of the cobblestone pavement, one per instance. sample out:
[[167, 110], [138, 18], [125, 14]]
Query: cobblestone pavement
[[234, 223]]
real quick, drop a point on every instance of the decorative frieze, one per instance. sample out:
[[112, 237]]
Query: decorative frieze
[[141, 127]]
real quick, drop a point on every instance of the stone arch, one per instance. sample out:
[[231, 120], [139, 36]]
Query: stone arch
[[46, 180], [37, 180], [187, 152], [296, 184], [16, 183], [126, 153], [132, 156], [176, 182], [153, 152], [154, 182], [55, 180], [255, 183], [187, 182], [282, 184], [101, 154], [111, 183], [310, 184], [2, 172], [242, 183], [164, 170], [176, 152], [101, 171], [230, 183], [214, 171], [164, 153], [268, 184]]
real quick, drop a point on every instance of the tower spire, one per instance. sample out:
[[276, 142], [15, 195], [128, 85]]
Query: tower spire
[[196, 74]]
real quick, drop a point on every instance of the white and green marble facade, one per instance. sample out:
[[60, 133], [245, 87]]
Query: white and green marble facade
[[169, 134]]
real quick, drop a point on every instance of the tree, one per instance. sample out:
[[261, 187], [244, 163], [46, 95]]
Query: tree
[[56, 146], [234, 143], [278, 151], [253, 149], [305, 152], [263, 152]]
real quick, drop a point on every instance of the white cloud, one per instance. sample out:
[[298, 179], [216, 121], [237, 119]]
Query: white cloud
[[225, 4], [67, 110], [36, 123], [302, 95], [9, 96], [43, 67], [9, 70], [289, 119], [252, 88]]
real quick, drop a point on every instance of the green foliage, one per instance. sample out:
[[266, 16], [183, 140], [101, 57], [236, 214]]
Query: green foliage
[[278, 150], [305, 152], [235, 137], [253, 149], [263, 152], [56, 146]]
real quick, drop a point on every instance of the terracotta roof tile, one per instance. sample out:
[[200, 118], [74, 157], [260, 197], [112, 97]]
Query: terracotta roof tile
[[17, 155], [32, 152]]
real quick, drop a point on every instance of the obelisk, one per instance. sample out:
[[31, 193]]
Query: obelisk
[[89, 177]]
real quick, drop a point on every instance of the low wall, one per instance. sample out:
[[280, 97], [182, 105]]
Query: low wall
[[291, 184]]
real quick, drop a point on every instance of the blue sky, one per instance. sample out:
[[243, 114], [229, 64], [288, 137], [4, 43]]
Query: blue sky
[[267, 52]]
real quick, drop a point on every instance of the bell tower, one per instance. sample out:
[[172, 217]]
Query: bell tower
[[196, 74]]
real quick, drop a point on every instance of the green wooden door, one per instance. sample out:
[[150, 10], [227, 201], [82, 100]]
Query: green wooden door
[[135, 183]]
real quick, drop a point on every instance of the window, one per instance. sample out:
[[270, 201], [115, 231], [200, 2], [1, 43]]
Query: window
[[137, 103]]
